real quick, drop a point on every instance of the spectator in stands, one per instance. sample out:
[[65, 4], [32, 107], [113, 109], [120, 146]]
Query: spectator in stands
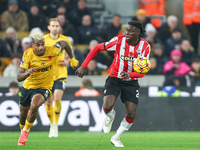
[[87, 90], [195, 73], [92, 68], [14, 17], [61, 10], [187, 52], [191, 19], [167, 28], [12, 69], [114, 27], [150, 36], [142, 17], [3, 49], [153, 9], [175, 70], [68, 28], [36, 18], [80, 11], [34, 31], [12, 42], [26, 43], [77, 55], [47, 6], [13, 88], [88, 32], [159, 55], [174, 41], [102, 61], [155, 69]]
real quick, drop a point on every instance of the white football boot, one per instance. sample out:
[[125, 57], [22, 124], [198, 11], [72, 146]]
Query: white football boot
[[50, 130], [107, 125], [116, 142], [55, 130]]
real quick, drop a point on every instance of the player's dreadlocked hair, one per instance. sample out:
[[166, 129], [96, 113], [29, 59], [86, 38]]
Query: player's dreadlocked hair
[[138, 25], [37, 37]]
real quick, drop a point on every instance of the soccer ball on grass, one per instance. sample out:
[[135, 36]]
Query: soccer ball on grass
[[142, 65]]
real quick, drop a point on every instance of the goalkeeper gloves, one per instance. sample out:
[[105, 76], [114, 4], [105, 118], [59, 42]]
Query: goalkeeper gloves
[[73, 62]]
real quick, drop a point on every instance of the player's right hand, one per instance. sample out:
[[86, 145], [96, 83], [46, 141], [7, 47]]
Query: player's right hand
[[31, 70], [80, 71]]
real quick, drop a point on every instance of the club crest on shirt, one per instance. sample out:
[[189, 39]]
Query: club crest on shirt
[[138, 51], [43, 63]]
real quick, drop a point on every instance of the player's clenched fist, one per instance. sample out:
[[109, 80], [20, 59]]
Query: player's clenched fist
[[73, 62], [31, 70], [80, 71]]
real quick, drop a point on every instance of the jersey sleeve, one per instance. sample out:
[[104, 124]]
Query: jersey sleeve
[[111, 45], [25, 63], [146, 51]]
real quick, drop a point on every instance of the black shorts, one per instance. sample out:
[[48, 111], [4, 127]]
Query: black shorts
[[59, 84], [26, 95], [129, 89]]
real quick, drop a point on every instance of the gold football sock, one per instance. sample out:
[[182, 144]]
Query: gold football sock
[[28, 125], [57, 110], [49, 110], [21, 126]]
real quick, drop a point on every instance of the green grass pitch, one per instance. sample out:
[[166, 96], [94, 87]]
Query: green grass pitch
[[147, 140]]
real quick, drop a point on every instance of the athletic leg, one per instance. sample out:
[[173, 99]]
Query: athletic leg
[[49, 110], [37, 101], [23, 115], [125, 124], [58, 93], [108, 103]]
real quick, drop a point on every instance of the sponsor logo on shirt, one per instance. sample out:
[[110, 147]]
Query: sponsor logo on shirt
[[43, 63], [127, 58]]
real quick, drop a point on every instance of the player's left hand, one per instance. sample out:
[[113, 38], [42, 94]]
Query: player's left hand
[[125, 75], [73, 62], [64, 62]]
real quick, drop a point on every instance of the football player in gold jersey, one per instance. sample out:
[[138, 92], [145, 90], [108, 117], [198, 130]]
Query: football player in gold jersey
[[60, 77], [37, 69]]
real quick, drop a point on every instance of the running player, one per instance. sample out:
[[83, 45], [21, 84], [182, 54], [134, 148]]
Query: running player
[[60, 77], [37, 69], [122, 78]]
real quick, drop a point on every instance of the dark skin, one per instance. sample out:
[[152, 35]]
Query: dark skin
[[30, 112], [132, 37]]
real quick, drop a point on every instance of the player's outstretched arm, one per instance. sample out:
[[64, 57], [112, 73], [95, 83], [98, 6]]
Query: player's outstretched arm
[[81, 70], [22, 74], [65, 46]]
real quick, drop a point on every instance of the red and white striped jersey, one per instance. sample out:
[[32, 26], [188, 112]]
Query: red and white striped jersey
[[125, 54]]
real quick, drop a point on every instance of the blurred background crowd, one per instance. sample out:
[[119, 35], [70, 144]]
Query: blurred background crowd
[[174, 54]]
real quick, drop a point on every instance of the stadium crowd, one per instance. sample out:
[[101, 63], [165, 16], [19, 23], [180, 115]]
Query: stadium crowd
[[172, 54]]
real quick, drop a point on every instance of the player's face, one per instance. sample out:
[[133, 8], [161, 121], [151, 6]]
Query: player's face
[[131, 33], [39, 48], [54, 27]]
